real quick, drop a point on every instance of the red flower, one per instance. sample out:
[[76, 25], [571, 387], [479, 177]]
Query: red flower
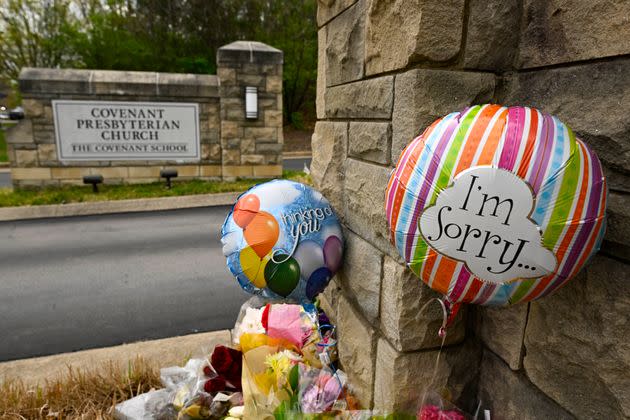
[[228, 363], [265, 317], [234, 375], [222, 359], [214, 385], [207, 370]]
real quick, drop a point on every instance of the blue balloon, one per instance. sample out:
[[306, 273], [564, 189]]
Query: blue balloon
[[318, 282], [304, 217]]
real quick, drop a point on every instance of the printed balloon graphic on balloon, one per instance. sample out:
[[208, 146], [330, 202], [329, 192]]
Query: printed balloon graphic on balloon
[[283, 240], [333, 251], [254, 266], [317, 282], [261, 233], [246, 209], [309, 256], [283, 276]]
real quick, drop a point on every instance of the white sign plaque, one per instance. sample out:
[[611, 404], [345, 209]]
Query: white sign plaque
[[103, 130]]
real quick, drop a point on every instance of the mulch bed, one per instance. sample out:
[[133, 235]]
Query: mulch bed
[[297, 140]]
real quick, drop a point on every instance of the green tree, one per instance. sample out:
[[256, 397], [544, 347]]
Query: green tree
[[291, 27], [36, 34], [161, 35], [108, 40]]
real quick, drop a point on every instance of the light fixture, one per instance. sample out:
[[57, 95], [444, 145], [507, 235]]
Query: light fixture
[[168, 174], [94, 180], [251, 102]]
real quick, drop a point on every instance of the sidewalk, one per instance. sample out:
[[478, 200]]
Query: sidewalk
[[117, 206], [306, 154], [163, 353]]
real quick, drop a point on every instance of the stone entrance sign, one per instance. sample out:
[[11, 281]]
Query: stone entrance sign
[[104, 130], [127, 126]]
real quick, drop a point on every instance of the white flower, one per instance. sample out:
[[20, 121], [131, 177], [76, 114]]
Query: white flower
[[251, 323]]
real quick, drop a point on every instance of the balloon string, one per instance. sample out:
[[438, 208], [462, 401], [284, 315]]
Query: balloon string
[[441, 334], [278, 251]]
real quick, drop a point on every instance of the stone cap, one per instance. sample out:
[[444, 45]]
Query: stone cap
[[110, 82], [249, 52]]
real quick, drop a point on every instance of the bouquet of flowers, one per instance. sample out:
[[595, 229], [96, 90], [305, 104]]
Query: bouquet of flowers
[[282, 365], [279, 363], [202, 389], [206, 388]]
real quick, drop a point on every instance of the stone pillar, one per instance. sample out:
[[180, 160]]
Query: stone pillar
[[251, 147], [386, 70]]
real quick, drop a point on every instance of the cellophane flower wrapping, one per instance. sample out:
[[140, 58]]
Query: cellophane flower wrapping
[[205, 388], [250, 323], [434, 407], [249, 319], [319, 388]]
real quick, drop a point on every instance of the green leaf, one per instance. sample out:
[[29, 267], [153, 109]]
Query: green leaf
[[294, 378]]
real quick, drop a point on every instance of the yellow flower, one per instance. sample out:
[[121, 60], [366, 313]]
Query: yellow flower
[[279, 364]]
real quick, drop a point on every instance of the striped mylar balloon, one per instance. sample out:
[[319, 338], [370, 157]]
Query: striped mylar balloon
[[457, 205]]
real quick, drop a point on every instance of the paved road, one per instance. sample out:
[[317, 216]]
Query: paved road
[[296, 164], [293, 164], [75, 283]]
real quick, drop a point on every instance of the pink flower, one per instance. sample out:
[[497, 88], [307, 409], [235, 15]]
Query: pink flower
[[433, 412]]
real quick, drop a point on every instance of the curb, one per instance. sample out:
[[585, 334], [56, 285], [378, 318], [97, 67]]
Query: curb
[[161, 353], [297, 155], [119, 206]]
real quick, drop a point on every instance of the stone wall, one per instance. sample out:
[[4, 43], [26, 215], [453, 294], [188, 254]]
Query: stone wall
[[389, 68], [231, 145]]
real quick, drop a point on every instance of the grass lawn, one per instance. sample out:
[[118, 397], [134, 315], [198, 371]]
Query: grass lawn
[[3, 148], [78, 394], [78, 194]]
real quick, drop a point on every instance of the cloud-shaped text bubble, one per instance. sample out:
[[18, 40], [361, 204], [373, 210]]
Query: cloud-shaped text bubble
[[483, 220]]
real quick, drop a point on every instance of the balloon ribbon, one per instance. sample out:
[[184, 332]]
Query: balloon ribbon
[[450, 309], [282, 251]]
